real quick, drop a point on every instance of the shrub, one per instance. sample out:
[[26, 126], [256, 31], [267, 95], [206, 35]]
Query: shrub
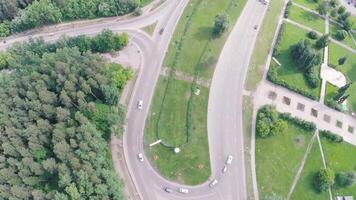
[[341, 34], [268, 122], [138, 11], [322, 42], [287, 10], [346, 179], [342, 60], [312, 77], [341, 10], [324, 179], [333, 12], [313, 35], [278, 40], [308, 126], [331, 136]]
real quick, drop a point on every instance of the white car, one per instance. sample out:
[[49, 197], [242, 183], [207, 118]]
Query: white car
[[213, 183], [140, 104], [229, 160], [224, 169], [140, 157], [183, 190]]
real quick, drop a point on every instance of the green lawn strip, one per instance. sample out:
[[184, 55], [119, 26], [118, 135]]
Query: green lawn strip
[[304, 188], [247, 130], [182, 167], [307, 3], [145, 2], [307, 18], [349, 69], [150, 28], [340, 157], [288, 72], [263, 44], [188, 48], [278, 159], [347, 41]]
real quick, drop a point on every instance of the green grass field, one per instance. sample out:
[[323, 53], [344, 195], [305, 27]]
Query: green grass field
[[182, 167], [195, 30], [349, 69], [340, 157], [307, 18], [278, 159], [307, 3], [289, 72], [263, 44], [304, 188], [347, 41]]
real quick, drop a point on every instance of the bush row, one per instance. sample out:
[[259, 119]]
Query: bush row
[[308, 126], [272, 76], [287, 10], [278, 40], [331, 136]]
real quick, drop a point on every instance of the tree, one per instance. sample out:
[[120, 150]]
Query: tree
[[333, 12], [312, 35], [343, 98], [323, 41], [344, 88], [324, 179], [341, 10], [40, 13], [342, 60], [138, 11], [304, 55], [346, 179], [341, 34], [323, 7], [5, 29], [221, 24]]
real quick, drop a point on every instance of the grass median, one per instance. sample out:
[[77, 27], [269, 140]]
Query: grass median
[[263, 44], [178, 116]]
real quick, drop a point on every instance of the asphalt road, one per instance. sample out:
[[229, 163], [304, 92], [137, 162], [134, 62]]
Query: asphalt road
[[225, 102]]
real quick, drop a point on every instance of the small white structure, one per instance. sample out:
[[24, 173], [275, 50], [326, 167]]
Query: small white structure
[[197, 91], [344, 198], [155, 143], [176, 150]]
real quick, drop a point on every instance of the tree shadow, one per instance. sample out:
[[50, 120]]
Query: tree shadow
[[204, 33]]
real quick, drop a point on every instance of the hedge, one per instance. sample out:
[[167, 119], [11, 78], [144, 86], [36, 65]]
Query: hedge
[[331, 136], [308, 126]]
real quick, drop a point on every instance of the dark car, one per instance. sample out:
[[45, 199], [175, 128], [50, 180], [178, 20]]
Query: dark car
[[161, 31], [168, 190]]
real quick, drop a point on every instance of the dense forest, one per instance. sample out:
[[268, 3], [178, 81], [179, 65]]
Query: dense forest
[[21, 15], [58, 106]]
